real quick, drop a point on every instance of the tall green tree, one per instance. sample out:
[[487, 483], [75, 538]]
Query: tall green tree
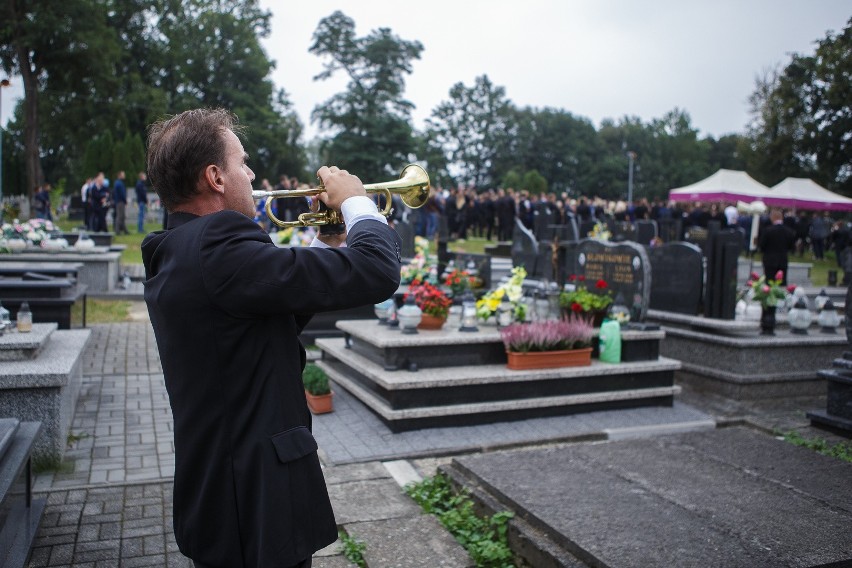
[[50, 45], [473, 128], [370, 122], [554, 142]]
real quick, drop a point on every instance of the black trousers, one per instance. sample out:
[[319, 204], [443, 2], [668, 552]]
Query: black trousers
[[303, 564]]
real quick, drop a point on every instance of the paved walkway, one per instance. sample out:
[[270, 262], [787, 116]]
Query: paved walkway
[[110, 503]]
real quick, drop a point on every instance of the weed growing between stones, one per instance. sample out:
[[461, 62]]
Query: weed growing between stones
[[484, 538], [841, 450], [353, 549]]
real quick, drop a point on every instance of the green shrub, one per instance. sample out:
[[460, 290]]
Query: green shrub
[[353, 549], [484, 538], [315, 380]]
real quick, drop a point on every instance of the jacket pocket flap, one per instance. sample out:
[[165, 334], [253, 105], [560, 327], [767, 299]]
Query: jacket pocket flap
[[294, 443]]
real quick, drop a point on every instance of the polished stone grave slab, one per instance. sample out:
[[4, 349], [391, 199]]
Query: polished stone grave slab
[[99, 272], [461, 378], [729, 497], [755, 366], [16, 346], [45, 388]]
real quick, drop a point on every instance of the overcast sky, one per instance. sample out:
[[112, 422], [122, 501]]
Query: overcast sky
[[597, 59]]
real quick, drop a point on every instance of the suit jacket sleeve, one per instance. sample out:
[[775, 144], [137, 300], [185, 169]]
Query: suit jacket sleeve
[[246, 275]]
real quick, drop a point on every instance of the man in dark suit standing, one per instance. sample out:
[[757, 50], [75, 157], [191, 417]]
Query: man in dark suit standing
[[775, 242], [227, 306]]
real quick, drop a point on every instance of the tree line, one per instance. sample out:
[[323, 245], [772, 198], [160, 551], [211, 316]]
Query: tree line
[[97, 72]]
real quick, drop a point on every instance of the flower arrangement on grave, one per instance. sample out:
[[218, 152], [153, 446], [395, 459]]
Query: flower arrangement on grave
[[430, 299], [600, 232], [769, 293], [422, 267], [513, 288], [578, 299], [460, 281], [284, 235], [573, 332], [35, 231]]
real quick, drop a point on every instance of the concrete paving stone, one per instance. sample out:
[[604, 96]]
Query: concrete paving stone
[[39, 557], [332, 562], [333, 549], [61, 554], [411, 542], [132, 546], [370, 500], [354, 472]]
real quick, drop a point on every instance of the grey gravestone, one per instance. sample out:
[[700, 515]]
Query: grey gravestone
[[677, 278], [524, 248], [406, 235], [723, 251], [646, 231], [625, 268]]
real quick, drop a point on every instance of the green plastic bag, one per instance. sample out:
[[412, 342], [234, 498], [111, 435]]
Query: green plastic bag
[[610, 342]]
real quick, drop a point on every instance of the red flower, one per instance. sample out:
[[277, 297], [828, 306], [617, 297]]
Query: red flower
[[754, 276], [577, 308], [600, 284], [572, 278], [765, 289], [791, 288], [749, 283], [779, 275], [581, 278]]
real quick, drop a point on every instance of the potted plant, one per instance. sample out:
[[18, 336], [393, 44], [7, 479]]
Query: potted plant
[[769, 293], [434, 304], [578, 299], [548, 344], [317, 390]]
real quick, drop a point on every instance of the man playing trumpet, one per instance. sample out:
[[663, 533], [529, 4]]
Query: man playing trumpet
[[227, 307]]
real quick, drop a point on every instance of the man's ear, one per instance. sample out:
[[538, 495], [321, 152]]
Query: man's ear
[[212, 179]]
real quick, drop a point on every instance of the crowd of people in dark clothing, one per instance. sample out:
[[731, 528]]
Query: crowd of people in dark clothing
[[491, 215]]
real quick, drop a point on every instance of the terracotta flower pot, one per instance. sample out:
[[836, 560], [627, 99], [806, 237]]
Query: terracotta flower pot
[[321, 403], [549, 359], [428, 321]]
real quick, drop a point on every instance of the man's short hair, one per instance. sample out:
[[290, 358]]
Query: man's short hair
[[181, 147]]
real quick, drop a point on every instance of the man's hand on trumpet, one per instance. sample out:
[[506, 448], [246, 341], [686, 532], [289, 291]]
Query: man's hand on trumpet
[[339, 186]]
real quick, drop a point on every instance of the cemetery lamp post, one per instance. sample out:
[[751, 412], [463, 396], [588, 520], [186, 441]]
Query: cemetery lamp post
[[630, 157], [3, 83]]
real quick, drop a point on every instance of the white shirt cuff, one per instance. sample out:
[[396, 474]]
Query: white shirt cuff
[[359, 208]]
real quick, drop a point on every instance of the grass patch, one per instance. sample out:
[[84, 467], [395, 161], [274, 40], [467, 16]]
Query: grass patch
[[840, 450], [353, 549], [101, 311], [484, 538], [43, 464]]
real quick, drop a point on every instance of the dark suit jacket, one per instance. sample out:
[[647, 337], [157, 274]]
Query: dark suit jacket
[[775, 243], [227, 306]]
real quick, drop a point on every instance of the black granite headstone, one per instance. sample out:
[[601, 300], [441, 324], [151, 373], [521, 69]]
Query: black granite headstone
[[406, 235], [544, 217], [723, 252], [846, 265], [677, 278], [586, 227], [624, 231], [670, 229], [646, 231], [623, 266]]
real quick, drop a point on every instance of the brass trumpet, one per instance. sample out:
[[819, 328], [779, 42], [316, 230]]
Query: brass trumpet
[[412, 186]]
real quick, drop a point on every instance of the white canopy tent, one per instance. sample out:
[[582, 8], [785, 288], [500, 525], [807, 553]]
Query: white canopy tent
[[803, 193], [724, 185]]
